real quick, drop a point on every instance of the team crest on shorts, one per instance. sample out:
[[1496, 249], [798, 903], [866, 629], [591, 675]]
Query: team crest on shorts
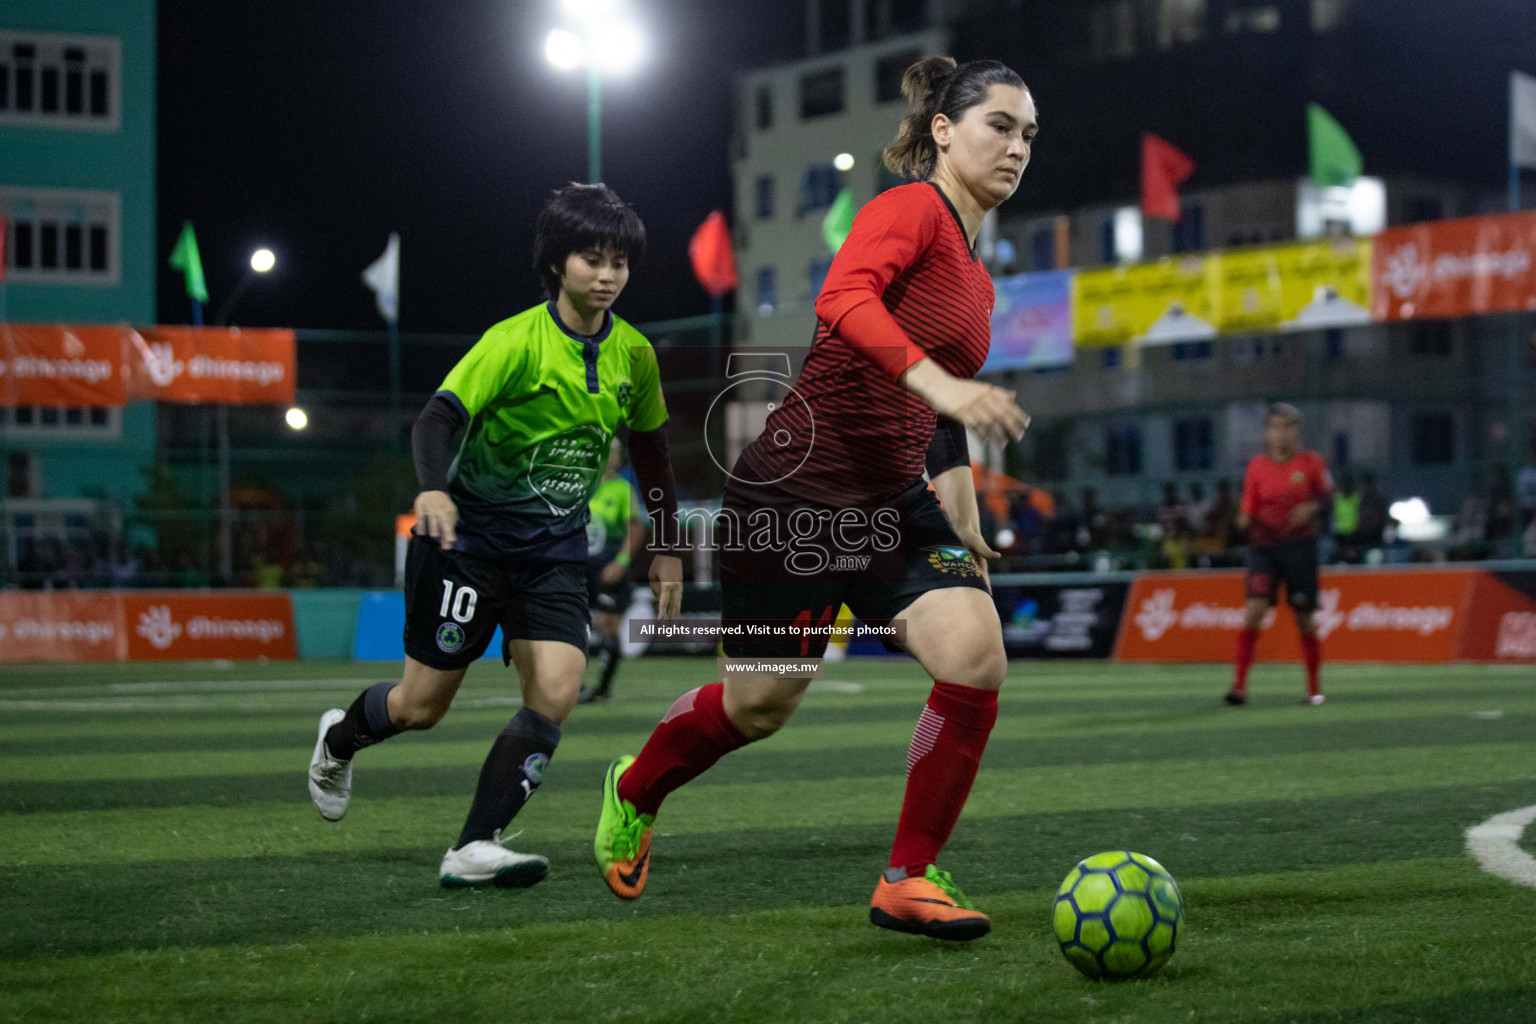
[[953, 561], [450, 637]]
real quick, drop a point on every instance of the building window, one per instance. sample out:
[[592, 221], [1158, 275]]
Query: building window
[[821, 93], [50, 80], [1254, 20], [1110, 358], [61, 236], [884, 18], [1430, 338], [819, 185], [767, 290], [1194, 445], [835, 24], [764, 106], [1107, 241], [40, 421], [1189, 232], [1327, 15], [1050, 451], [1042, 249], [819, 266], [1113, 30], [1122, 449], [1179, 22], [888, 72], [1191, 351], [1433, 437], [765, 197]]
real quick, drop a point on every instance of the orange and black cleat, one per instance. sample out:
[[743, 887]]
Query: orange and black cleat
[[623, 843], [928, 904]]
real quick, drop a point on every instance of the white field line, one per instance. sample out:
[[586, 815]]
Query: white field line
[[1495, 844]]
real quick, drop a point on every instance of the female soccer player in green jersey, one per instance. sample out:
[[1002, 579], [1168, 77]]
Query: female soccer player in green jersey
[[501, 526]]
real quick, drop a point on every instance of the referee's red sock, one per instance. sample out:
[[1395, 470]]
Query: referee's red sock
[[1312, 656], [692, 736], [941, 765], [1247, 642]]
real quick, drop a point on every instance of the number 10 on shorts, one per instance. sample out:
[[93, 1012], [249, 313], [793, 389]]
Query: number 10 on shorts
[[459, 602]]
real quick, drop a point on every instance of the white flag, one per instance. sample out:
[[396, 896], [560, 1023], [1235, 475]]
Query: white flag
[[383, 276], [1522, 120]]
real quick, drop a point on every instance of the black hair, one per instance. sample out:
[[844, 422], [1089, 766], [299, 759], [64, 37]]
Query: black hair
[[1285, 411], [581, 217], [932, 86]]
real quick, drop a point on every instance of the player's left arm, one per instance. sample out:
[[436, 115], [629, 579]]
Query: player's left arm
[[658, 483], [949, 470], [1322, 496]]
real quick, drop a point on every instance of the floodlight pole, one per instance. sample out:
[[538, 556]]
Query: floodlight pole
[[594, 122]]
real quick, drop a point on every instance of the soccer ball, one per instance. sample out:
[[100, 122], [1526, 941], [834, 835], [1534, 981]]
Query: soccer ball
[[1118, 915]]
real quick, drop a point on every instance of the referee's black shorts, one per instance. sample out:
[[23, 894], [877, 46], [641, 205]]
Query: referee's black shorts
[[455, 601], [1292, 563]]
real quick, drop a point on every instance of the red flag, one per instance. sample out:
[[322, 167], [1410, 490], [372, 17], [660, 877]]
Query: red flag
[[714, 264], [4, 225], [1163, 168]]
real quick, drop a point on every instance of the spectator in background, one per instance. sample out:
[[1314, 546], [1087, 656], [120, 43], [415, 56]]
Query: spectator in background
[[1213, 528], [1346, 518], [1374, 518], [1092, 524], [1199, 507], [1500, 504], [1172, 513]]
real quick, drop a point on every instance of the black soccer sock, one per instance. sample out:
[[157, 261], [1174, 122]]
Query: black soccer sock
[[610, 657], [367, 723], [512, 771]]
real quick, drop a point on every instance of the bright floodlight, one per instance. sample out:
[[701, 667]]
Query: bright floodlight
[[297, 418], [616, 47], [564, 49], [1411, 512], [843, 161], [591, 10], [262, 260]]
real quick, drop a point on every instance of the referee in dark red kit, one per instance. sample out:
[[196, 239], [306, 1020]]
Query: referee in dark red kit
[[1284, 492]]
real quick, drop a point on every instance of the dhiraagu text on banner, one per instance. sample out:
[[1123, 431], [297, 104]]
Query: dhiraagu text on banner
[[1294, 287], [1174, 299], [1032, 321]]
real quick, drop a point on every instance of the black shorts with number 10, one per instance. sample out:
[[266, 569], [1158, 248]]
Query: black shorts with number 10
[[455, 601]]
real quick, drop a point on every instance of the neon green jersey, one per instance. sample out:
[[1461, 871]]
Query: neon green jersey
[[612, 506], [543, 403]]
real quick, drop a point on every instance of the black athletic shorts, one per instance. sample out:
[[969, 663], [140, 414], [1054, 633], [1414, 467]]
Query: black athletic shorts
[[454, 602], [876, 560], [607, 597], [1291, 562]]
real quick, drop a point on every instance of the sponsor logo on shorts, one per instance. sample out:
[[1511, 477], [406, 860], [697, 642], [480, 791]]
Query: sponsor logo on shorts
[[533, 768], [953, 561], [450, 637]]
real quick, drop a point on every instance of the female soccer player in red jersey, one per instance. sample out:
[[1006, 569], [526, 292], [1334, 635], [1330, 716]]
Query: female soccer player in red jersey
[[902, 325], [1284, 491]]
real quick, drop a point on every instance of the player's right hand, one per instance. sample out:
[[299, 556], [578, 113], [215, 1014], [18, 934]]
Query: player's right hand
[[436, 517], [988, 410]]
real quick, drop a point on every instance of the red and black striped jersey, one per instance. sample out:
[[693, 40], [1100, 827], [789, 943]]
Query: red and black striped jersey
[[904, 286]]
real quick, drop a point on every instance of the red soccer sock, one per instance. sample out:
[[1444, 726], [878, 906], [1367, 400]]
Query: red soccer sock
[[941, 765], [1312, 656], [692, 736], [1247, 641]]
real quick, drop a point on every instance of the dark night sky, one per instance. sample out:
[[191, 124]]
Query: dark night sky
[[318, 128]]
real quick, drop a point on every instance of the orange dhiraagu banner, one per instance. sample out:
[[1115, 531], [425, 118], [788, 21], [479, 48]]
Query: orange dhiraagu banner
[[1501, 622], [127, 625], [1403, 616], [1451, 268], [61, 625], [43, 364], [216, 365], [181, 626]]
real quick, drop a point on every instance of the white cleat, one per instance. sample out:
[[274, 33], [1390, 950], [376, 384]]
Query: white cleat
[[1316, 698], [330, 778], [489, 862]]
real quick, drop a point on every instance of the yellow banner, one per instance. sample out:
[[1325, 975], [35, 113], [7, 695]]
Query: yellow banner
[[1295, 287], [1174, 299]]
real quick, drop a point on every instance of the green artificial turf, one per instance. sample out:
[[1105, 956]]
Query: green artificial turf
[[160, 860]]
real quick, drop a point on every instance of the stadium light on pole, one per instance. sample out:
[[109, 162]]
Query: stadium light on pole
[[296, 418], [601, 43]]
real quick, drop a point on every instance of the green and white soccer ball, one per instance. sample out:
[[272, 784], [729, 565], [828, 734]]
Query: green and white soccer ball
[[1118, 915]]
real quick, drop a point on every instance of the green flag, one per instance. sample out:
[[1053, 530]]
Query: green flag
[[186, 259], [1335, 160], [839, 220]]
